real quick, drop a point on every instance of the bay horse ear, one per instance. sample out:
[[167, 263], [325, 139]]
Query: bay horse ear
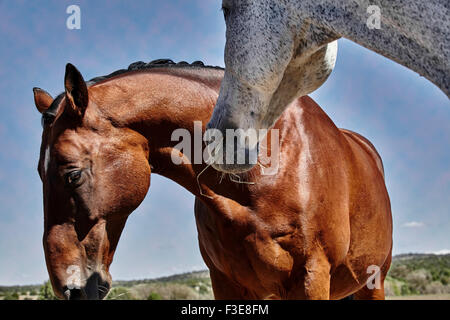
[[76, 91], [42, 99]]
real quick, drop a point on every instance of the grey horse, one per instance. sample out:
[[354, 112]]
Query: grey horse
[[278, 50]]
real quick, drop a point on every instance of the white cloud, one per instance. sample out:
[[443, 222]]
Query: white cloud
[[413, 224], [443, 251]]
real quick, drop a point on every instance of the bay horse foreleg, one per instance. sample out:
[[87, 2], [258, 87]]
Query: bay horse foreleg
[[316, 279], [224, 288], [370, 294], [365, 293]]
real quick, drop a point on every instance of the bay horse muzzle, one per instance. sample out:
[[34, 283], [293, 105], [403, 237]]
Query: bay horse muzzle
[[95, 289]]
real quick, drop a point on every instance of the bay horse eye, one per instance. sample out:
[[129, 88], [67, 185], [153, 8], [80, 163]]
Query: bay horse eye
[[47, 119], [72, 178]]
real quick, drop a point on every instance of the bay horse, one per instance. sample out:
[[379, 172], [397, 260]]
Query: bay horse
[[311, 231], [277, 51]]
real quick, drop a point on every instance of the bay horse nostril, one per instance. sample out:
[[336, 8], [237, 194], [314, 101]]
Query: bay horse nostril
[[74, 294]]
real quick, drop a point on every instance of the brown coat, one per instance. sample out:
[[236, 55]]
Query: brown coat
[[309, 232]]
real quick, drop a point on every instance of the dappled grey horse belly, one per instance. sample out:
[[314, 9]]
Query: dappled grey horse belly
[[277, 51]]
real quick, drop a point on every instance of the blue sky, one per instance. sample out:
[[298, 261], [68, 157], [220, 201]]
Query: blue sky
[[405, 116]]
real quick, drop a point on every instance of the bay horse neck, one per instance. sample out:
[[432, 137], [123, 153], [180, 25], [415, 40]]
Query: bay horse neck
[[157, 103]]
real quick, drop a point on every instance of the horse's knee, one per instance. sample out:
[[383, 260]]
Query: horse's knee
[[315, 283]]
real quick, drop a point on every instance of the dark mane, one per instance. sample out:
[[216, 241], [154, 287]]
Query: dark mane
[[49, 114], [159, 63]]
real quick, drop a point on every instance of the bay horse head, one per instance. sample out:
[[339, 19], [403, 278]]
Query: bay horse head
[[94, 174], [272, 56]]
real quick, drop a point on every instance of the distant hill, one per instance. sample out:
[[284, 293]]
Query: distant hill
[[181, 277], [419, 274], [410, 274]]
